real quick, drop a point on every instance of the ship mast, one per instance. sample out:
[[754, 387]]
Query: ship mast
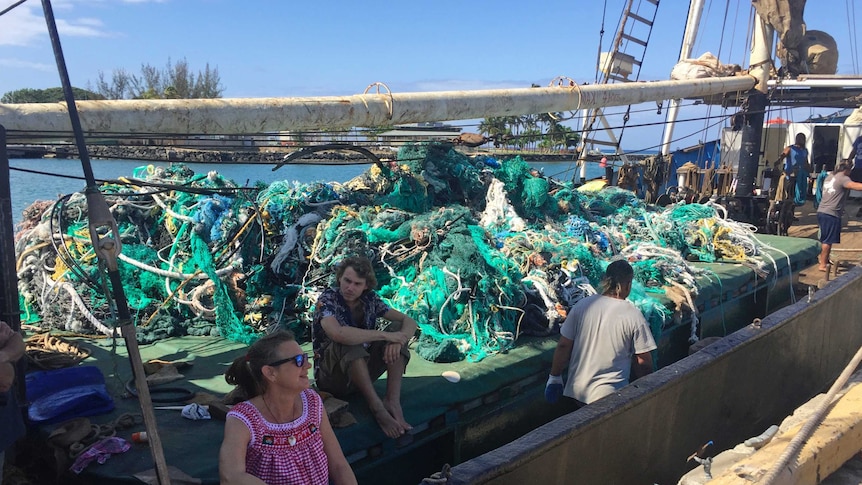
[[760, 67]]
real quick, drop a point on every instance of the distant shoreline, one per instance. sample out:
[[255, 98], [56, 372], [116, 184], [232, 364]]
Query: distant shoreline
[[258, 155]]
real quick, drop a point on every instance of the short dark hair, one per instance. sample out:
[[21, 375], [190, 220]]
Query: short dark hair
[[363, 268], [843, 165]]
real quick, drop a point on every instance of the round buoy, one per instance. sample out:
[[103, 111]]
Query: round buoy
[[451, 376]]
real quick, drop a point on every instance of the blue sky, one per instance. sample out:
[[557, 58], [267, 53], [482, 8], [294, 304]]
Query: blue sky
[[338, 47]]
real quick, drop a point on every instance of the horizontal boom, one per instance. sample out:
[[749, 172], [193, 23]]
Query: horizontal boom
[[260, 115]]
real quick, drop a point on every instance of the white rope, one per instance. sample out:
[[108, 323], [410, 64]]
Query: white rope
[[454, 294], [498, 212], [179, 276], [537, 278], [775, 265], [166, 208], [76, 299], [695, 320]]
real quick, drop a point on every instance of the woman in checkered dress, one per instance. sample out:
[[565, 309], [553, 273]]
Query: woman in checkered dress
[[281, 434]]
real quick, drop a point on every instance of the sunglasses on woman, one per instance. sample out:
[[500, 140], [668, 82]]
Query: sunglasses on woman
[[299, 360]]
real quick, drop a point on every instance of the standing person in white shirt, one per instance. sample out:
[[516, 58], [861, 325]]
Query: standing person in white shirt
[[603, 340]]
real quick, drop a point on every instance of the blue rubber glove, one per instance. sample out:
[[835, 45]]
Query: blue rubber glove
[[554, 388]]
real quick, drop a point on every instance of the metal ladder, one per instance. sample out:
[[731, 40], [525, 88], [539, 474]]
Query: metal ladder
[[634, 32]]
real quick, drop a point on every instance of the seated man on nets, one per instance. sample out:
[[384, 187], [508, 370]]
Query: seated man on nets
[[350, 353]]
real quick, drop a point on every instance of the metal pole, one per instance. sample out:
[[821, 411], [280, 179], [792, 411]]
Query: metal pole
[[107, 246], [238, 116], [760, 66], [749, 150]]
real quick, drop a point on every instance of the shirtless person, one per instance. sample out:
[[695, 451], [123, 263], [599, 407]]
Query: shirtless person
[[351, 353]]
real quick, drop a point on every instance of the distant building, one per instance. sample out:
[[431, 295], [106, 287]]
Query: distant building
[[431, 131]]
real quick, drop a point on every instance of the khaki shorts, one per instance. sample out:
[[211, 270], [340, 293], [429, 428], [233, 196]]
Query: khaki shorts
[[333, 372]]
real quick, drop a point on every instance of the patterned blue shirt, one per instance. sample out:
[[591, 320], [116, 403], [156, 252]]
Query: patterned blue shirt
[[332, 304]]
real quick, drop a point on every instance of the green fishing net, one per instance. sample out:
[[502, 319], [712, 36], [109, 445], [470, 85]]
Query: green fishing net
[[478, 251]]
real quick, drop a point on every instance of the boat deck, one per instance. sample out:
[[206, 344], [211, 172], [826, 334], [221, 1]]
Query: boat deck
[[496, 400]]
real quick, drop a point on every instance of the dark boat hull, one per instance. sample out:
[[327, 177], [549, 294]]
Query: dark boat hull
[[730, 391]]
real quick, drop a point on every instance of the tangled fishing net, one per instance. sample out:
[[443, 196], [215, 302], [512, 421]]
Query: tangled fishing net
[[478, 252]]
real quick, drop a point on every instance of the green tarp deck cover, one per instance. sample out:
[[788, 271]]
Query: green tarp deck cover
[[429, 400]]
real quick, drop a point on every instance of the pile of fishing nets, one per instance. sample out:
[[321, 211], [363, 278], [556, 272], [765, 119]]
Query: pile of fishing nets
[[477, 251]]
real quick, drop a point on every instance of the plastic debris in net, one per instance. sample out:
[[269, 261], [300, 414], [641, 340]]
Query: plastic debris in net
[[478, 251]]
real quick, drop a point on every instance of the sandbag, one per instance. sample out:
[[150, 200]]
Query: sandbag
[[820, 51], [59, 395], [705, 66], [816, 53]]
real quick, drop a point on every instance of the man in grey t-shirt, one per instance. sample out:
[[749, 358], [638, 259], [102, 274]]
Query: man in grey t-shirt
[[836, 187], [603, 340]]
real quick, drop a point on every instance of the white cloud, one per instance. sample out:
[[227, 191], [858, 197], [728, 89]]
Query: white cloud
[[86, 27], [22, 26], [25, 25], [20, 64]]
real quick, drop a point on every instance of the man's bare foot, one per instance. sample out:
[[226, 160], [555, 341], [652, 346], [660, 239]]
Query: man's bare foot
[[390, 426], [394, 409], [822, 268]]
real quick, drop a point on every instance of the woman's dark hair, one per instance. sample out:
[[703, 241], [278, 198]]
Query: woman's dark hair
[[245, 371], [363, 268], [617, 274]]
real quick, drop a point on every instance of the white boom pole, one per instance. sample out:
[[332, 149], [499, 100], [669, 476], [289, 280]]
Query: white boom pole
[[695, 12], [245, 115]]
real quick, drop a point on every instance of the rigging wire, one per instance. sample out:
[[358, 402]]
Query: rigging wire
[[209, 190], [654, 147], [528, 136], [628, 111], [123, 137], [11, 7], [733, 32], [850, 7], [718, 56], [723, 30], [749, 32], [699, 39], [601, 37], [213, 190]]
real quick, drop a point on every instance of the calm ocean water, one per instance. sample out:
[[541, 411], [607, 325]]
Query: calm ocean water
[[58, 177]]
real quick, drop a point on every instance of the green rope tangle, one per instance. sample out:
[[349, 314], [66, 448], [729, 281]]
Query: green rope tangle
[[478, 252]]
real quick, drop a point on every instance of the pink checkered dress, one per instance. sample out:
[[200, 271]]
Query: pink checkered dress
[[288, 453]]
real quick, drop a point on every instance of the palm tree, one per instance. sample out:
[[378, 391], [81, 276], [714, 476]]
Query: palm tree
[[529, 138], [513, 126], [495, 128]]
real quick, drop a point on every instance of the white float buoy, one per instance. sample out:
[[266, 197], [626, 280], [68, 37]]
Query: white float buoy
[[451, 376]]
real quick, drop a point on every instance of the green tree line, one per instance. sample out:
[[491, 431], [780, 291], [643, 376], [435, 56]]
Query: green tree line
[[50, 95], [530, 132], [175, 81]]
